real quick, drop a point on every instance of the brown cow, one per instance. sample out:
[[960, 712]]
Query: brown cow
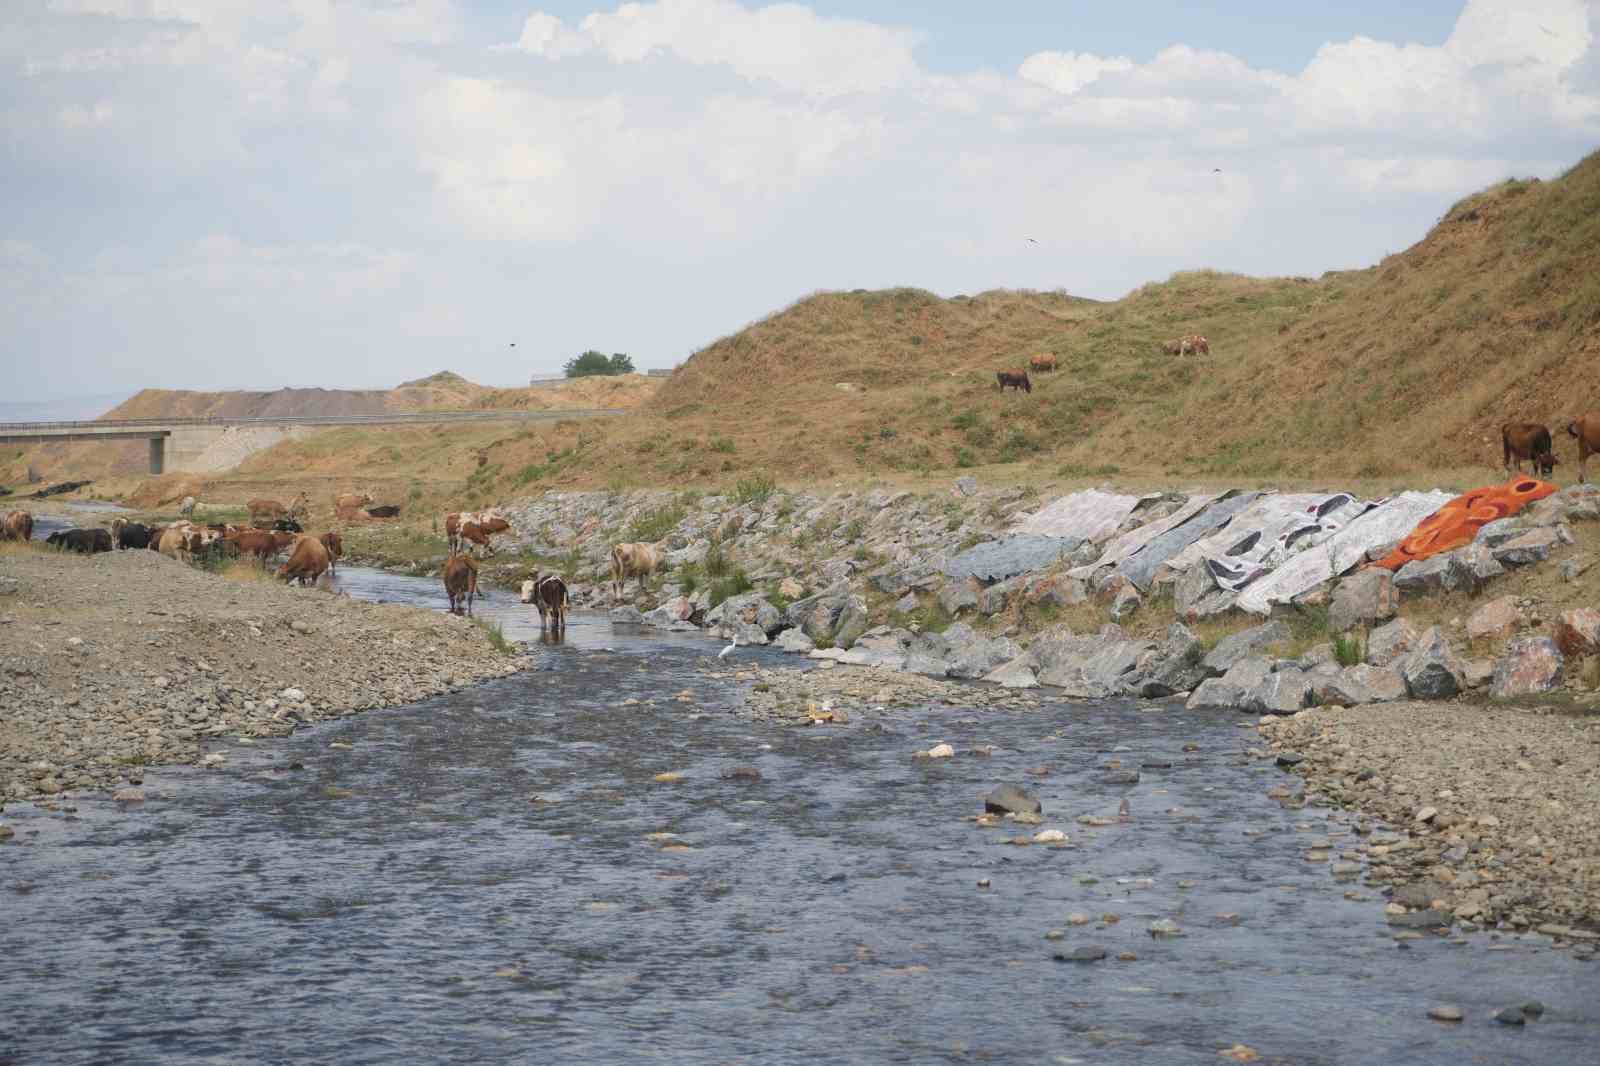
[[17, 526], [632, 560], [156, 533], [1172, 347], [335, 545], [1015, 379], [260, 543], [1527, 440], [1194, 342], [266, 511], [454, 520], [461, 582], [549, 595], [307, 561], [1587, 431], [1043, 362], [480, 531], [350, 506]]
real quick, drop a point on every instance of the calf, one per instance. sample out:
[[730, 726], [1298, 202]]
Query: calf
[[461, 582], [335, 545], [18, 525], [1528, 440], [87, 541], [1015, 379], [1587, 431], [549, 595], [307, 562]]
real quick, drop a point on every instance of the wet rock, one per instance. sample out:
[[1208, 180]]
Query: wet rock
[[1424, 919], [1531, 547], [1012, 799], [1239, 646], [1432, 671], [743, 775], [1164, 927], [1445, 1012], [128, 795], [6, 832], [1512, 1016], [1363, 598], [1050, 836], [1118, 777], [1495, 620], [626, 614], [938, 751], [1084, 953], [1527, 667], [1578, 632], [1288, 759]]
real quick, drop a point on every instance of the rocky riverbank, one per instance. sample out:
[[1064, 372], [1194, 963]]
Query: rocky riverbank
[[115, 662], [1480, 815]]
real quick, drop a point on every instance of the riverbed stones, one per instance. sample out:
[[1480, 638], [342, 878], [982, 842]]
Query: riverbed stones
[[626, 614], [1445, 1012], [1527, 667], [1238, 646], [1363, 598], [1082, 953], [1012, 799]]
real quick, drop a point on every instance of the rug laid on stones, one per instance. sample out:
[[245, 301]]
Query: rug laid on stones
[[1457, 522]]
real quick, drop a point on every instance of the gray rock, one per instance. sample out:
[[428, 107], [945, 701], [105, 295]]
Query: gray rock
[[9, 586], [1512, 1016], [1472, 567], [1173, 667], [1055, 590], [1012, 799], [1424, 575], [750, 608], [1363, 598], [957, 595], [1239, 646], [1425, 919], [1340, 689], [1383, 684], [1229, 691], [1127, 601], [971, 655], [1432, 671], [1527, 667], [1000, 559], [966, 486], [795, 641], [1083, 953], [1576, 566], [1105, 670], [1532, 547], [1280, 692], [992, 599], [926, 665], [626, 615], [1017, 673], [819, 613], [851, 622], [1391, 643], [905, 604], [1493, 534]]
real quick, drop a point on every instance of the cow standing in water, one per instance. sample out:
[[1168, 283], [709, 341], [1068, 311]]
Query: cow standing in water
[[461, 582], [549, 595], [632, 560]]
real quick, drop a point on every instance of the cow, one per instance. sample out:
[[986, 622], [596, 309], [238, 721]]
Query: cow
[[156, 533], [455, 520], [479, 532], [130, 534], [632, 560], [1172, 347], [87, 541], [1527, 440], [461, 582], [264, 510], [258, 542], [347, 506], [308, 560], [1586, 430], [186, 509], [18, 525], [180, 541], [1015, 379], [1192, 343], [387, 511], [287, 525], [1043, 362], [335, 545], [549, 595]]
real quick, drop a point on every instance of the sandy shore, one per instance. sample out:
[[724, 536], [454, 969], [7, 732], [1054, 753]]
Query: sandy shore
[[110, 663], [1486, 815]]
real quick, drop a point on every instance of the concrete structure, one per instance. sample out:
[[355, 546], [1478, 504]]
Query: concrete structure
[[184, 443]]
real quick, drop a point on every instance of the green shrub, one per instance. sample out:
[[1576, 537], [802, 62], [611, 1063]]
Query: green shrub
[[656, 524], [722, 444], [1349, 649], [732, 585], [754, 489], [716, 562]]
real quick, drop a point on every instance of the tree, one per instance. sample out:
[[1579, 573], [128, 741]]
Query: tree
[[593, 364]]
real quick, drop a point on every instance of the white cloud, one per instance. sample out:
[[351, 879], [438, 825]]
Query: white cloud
[[1067, 72]]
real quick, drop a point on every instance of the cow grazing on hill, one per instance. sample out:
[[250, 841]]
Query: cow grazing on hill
[[1042, 363], [308, 561], [18, 525], [549, 595], [87, 541], [632, 560], [1527, 440], [1586, 430], [264, 510], [1014, 379], [1193, 343], [335, 545], [461, 582], [1172, 347], [130, 534]]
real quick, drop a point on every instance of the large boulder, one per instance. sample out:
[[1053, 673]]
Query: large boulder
[[1089, 667], [1424, 575], [1382, 684], [1363, 598], [1055, 590], [795, 641], [992, 599], [1242, 645], [749, 608], [626, 614], [850, 623], [969, 654], [1173, 667], [958, 594], [1472, 567], [1335, 688], [1495, 620], [1018, 673], [1280, 692], [1390, 643], [1012, 799], [1531, 547], [1578, 632], [817, 614], [1432, 671], [1229, 690], [1526, 668]]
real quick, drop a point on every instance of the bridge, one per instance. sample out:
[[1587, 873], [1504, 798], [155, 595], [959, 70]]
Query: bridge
[[179, 443]]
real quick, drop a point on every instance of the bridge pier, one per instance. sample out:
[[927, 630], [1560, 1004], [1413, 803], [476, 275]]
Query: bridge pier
[[158, 455]]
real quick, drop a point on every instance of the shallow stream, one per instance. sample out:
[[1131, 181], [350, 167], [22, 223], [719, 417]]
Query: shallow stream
[[482, 878]]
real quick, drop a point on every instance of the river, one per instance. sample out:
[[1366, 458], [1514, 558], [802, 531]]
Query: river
[[482, 878]]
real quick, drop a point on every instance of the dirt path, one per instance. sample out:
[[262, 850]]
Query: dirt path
[[1492, 808], [113, 662]]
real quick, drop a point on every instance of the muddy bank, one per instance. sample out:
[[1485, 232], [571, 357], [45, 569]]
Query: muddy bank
[[115, 662], [1490, 809]]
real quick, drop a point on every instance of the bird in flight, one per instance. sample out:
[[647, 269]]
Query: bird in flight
[[1032, 241], [1216, 170], [513, 344]]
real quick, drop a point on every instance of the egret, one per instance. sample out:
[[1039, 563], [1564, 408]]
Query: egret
[[725, 652]]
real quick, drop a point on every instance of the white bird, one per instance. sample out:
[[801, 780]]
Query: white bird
[[725, 652]]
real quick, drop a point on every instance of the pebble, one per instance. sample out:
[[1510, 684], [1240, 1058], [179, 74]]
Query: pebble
[[129, 795], [1447, 1012], [1050, 836], [1165, 927], [1511, 1016], [668, 777], [940, 751], [1086, 953]]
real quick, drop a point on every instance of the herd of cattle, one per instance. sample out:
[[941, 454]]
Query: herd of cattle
[[1190, 344], [1531, 441]]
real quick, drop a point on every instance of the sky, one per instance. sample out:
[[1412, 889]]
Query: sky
[[230, 193]]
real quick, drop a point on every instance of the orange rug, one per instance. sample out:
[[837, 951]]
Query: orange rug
[[1457, 522]]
